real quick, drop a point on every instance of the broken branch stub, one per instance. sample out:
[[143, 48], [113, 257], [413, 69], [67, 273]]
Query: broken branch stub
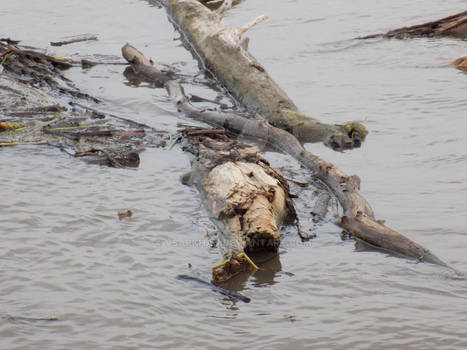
[[225, 53]]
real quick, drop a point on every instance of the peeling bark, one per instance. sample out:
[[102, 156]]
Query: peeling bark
[[358, 217], [224, 51], [248, 199]]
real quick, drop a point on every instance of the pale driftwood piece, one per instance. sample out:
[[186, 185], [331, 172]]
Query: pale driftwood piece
[[248, 199], [358, 217], [75, 39], [455, 26], [224, 51]]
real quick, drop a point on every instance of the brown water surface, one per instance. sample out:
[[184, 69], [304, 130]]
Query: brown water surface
[[111, 283]]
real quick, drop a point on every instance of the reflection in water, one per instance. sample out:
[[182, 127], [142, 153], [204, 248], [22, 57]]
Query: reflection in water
[[269, 264]]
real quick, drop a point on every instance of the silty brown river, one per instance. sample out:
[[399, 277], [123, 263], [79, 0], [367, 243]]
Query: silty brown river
[[112, 283]]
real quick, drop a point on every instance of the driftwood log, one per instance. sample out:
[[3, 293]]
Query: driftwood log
[[224, 52], [358, 217], [247, 198], [455, 26], [248, 201]]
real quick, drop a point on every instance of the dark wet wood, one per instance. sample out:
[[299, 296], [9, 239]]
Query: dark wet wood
[[460, 63], [39, 57], [455, 26]]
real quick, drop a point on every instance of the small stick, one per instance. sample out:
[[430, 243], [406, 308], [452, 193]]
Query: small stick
[[76, 39], [40, 142], [88, 64], [207, 132], [9, 41], [36, 110]]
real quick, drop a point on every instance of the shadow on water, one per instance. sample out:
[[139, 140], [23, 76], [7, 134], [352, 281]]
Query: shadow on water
[[361, 246], [269, 265]]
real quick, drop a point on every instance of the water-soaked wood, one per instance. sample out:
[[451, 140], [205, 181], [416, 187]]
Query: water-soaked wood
[[460, 63], [358, 217], [224, 52], [38, 57], [455, 26], [30, 82]]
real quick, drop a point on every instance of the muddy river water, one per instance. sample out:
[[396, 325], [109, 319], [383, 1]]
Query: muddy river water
[[112, 283]]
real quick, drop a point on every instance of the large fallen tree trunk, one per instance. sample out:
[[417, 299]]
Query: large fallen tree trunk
[[358, 217], [455, 25], [247, 199], [224, 52]]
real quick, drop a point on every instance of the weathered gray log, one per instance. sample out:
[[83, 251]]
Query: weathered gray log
[[224, 51], [358, 217], [455, 25]]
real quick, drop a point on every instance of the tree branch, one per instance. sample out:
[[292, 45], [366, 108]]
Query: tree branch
[[358, 217]]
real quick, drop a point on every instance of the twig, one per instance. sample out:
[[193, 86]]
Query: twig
[[37, 110], [76, 39], [39, 142], [206, 132], [241, 30]]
